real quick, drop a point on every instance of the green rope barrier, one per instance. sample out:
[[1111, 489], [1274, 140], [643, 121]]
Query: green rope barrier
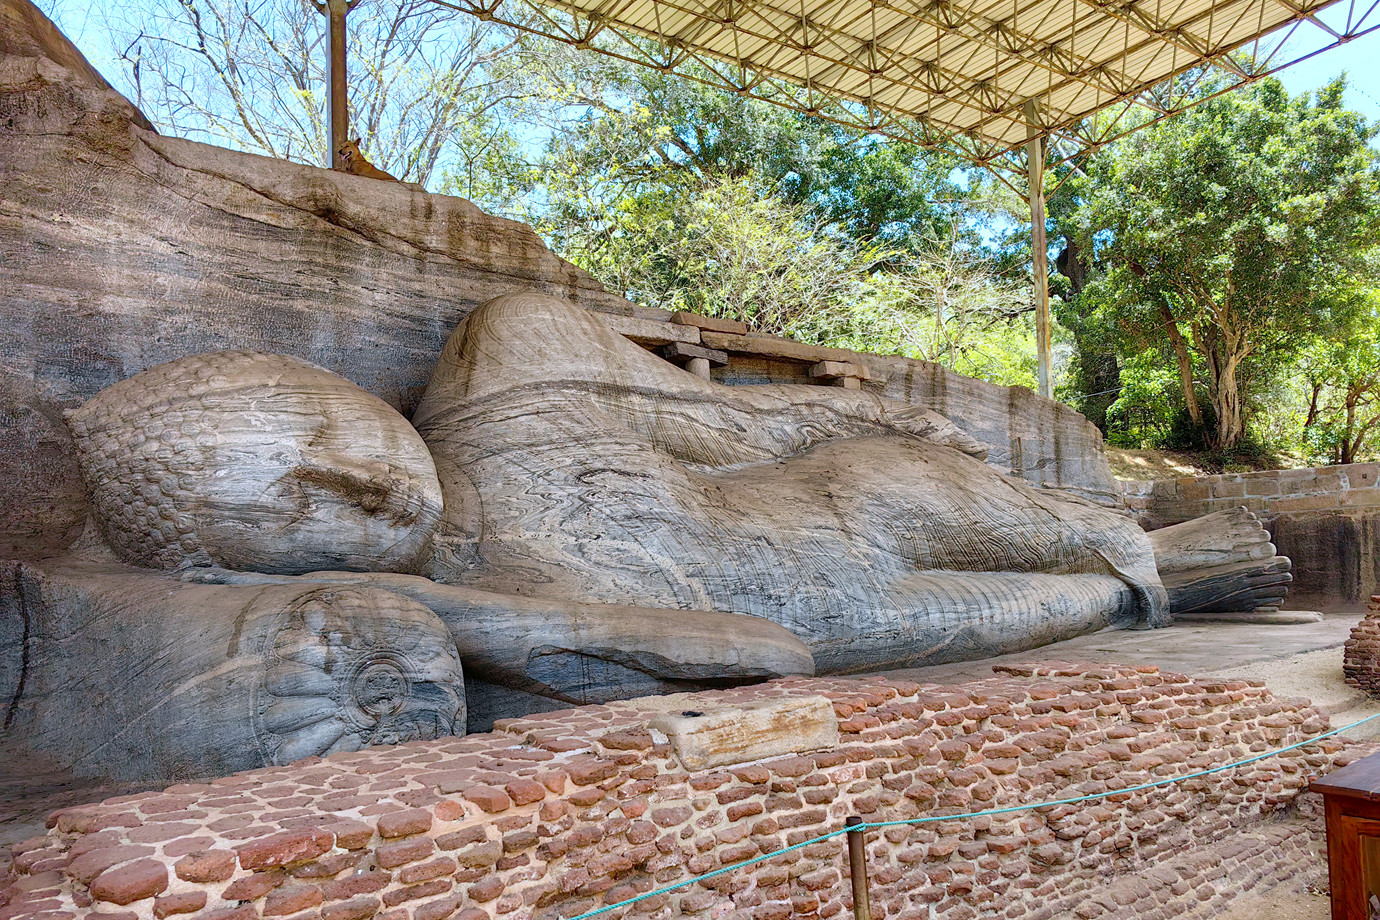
[[969, 815]]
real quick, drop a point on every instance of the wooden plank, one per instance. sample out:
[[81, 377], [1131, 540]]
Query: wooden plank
[[1360, 780]]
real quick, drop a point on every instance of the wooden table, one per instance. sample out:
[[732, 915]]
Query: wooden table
[[1352, 799]]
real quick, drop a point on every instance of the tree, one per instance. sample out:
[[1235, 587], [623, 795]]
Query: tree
[[431, 89], [1343, 379], [1225, 231]]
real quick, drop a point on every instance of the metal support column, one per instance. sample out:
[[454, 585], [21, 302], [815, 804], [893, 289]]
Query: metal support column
[[338, 89], [1035, 175]]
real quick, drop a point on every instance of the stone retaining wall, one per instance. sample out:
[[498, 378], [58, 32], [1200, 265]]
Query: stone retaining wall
[[559, 813], [1327, 520]]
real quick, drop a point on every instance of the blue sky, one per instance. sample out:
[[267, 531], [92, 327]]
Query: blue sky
[[1360, 59]]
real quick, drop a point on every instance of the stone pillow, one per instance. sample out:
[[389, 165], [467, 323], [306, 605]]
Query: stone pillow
[[255, 462]]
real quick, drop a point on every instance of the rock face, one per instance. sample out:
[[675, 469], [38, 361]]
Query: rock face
[[578, 466], [124, 249], [257, 462], [126, 674]]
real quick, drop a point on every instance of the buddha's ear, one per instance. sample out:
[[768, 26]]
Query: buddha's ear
[[355, 142]]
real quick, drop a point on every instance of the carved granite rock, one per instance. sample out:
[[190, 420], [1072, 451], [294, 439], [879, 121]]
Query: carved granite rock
[[128, 674], [255, 462], [1221, 562], [577, 466], [124, 249], [576, 652]]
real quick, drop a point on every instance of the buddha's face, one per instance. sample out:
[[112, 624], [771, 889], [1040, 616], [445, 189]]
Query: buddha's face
[[255, 462]]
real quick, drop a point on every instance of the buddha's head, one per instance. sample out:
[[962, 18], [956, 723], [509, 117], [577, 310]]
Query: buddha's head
[[255, 462]]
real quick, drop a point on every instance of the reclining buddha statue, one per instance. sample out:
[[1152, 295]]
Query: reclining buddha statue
[[572, 518]]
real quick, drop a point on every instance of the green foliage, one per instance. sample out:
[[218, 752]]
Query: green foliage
[[1226, 232], [685, 197], [432, 90], [1341, 379]]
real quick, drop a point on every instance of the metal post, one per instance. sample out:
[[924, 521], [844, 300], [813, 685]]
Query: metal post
[[857, 869], [338, 93], [1035, 175]]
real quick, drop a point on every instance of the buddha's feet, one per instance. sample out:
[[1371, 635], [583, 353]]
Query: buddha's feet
[[1222, 561]]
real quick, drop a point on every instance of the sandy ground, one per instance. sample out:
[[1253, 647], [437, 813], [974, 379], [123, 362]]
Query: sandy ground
[[1145, 465]]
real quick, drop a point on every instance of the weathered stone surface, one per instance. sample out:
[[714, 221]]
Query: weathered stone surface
[[680, 352], [1361, 656], [655, 333], [572, 651], [131, 882], [830, 369], [144, 677], [182, 248], [712, 323], [255, 462], [664, 490], [1336, 554], [1222, 562], [1326, 520], [731, 735], [125, 249]]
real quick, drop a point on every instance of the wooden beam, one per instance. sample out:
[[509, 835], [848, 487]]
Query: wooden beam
[[1035, 177]]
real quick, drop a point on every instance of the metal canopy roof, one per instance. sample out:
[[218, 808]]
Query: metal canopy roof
[[955, 74]]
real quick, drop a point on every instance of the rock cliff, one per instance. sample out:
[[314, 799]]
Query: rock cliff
[[121, 249]]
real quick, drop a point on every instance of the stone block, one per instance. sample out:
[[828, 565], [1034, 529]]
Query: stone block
[[711, 323], [680, 352], [731, 735], [135, 881], [1362, 475], [829, 370], [1228, 488], [1360, 498], [651, 333], [774, 347], [1194, 490], [285, 848]]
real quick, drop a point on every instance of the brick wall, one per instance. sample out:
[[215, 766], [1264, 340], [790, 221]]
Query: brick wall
[[1327, 520], [1361, 656], [559, 813]]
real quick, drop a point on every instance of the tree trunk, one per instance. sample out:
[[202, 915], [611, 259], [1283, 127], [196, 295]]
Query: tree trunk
[[1226, 399], [1176, 338], [1348, 444]]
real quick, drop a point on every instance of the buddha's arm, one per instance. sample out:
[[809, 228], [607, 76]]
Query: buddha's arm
[[713, 425]]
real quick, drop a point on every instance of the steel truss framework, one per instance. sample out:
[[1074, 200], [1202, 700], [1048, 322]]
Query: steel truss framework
[[1012, 85], [957, 75]]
